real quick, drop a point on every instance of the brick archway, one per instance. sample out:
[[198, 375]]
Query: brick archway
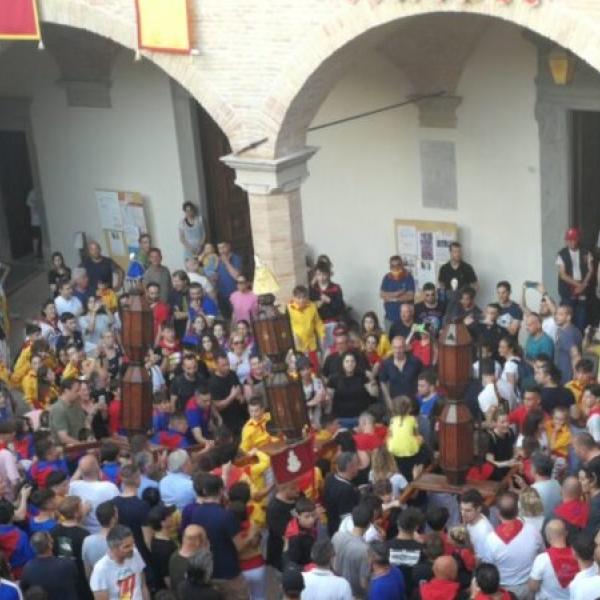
[[115, 20], [313, 68]]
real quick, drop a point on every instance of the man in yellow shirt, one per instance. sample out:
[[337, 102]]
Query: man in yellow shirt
[[584, 375], [254, 432], [307, 327]]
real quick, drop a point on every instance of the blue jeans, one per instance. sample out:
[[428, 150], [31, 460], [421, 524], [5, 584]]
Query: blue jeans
[[348, 422]]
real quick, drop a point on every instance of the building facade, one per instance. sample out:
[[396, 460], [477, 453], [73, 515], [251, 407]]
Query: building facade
[[473, 79]]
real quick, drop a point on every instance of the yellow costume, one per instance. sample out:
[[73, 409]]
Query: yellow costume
[[307, 326], [71, 371], [255, 435], [560, 445], [109, 299]]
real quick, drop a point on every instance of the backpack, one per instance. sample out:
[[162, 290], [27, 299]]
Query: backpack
[[525, 375]]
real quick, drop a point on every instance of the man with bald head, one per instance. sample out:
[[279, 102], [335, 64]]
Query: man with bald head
[[87, 485], [194, 538], [512, 546], [99, 268], [585, 447], [553, 570], [444, 583], [573, 509]]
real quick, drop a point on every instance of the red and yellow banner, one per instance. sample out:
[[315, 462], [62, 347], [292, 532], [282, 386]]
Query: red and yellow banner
[[19, 20], [163, 25]]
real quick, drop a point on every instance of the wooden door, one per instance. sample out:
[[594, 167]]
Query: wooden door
[[585, 206], [228, 209], [15, 185]]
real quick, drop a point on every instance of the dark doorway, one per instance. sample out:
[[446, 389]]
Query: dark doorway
[[228, 209], [15, 184], [585, 205]]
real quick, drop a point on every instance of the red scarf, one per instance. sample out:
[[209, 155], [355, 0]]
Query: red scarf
[[439, 589], [505, 596], [574, 512], [564, 564], [594, 411], [509, 530]]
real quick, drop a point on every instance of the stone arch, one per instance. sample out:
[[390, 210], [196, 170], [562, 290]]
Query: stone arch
[[312, 69], [115, 20]]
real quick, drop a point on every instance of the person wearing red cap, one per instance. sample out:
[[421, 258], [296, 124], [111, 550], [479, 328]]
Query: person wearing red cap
[[575, 269]]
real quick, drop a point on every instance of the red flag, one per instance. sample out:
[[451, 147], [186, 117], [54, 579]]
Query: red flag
[[19, 20], [294, 461]]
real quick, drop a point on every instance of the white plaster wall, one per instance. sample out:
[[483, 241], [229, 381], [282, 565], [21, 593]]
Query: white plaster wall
[[130, 147], [367, 172]]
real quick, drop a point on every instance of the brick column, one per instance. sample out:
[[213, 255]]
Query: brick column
[[273, 188]]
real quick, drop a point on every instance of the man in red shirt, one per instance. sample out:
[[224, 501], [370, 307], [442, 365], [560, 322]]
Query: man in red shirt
[[532, 400], [161, 310]]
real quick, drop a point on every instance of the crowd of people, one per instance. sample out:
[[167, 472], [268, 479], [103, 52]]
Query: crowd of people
[[191, 509]]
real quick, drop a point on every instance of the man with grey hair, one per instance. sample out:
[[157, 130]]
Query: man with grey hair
[[81, 285], [57, 576], [119, 574], [321, 583], [176, 487], [144, 461], [340, 494]]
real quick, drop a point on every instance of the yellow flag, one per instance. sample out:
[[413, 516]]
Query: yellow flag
[[163, 25]]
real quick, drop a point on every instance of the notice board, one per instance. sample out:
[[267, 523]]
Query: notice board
[[424, 246], [123, 220]]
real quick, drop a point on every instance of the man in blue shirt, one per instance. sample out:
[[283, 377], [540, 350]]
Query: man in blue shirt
[[221, 525], [510, 314], [398, 374], [228, 269], [387, 582], [397, 287], [538, 341], [428, 398]]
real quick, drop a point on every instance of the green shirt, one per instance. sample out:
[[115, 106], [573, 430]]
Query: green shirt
[[67, 418]]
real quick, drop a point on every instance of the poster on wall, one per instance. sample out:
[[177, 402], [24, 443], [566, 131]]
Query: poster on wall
[[424, 247], [123, 219]]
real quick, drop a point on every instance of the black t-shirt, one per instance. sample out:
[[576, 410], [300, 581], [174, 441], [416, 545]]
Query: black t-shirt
[[57, 576], [399, 328], [350, 397], [555, 397], [133, 512], [406, 554], [184, 388], [464, 274], [432, 316], [68, 542], [236, 414], [488, 334], [56, 278], [98, 271], [332, 365], [161, 552], [279, 514], [62, 341], [339, 497], [503, 449]]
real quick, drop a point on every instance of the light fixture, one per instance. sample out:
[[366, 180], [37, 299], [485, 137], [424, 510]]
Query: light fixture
[[562, 66]]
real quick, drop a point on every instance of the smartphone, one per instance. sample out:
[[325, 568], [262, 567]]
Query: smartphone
[[531, 284]]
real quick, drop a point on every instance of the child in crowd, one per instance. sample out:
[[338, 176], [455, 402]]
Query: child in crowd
[[48, 461], [307, 327], [109, 463], [301, 532], [176, 434], [45, 503], [209, 259], [404, 441], [107, 296]]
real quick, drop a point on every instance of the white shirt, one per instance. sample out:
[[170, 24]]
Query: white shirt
[[322, 584], [120, 581], [95, 493], [207, 286], [487, 398], [370, 535], [543, 571], [515, 559], [580, 578], [575, 260], [587, 589], [73, 305], [593, 426], [177, 489], [506, 389], [549, 327], [478, 534]]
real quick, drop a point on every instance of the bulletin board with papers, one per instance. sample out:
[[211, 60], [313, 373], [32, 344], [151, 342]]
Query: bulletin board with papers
[[123, 220], [424, 247]]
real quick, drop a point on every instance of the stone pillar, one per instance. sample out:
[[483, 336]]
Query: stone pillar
[[273, 188]]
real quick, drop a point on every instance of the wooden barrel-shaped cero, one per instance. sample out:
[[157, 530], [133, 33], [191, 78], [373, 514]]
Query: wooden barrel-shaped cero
[[456, 441], [455, 358]]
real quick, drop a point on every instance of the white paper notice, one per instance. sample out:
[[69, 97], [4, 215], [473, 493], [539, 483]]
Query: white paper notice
[[109, 209], [406, 236], [132, 236], [115, 240], [133, 216], [442, 246]]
